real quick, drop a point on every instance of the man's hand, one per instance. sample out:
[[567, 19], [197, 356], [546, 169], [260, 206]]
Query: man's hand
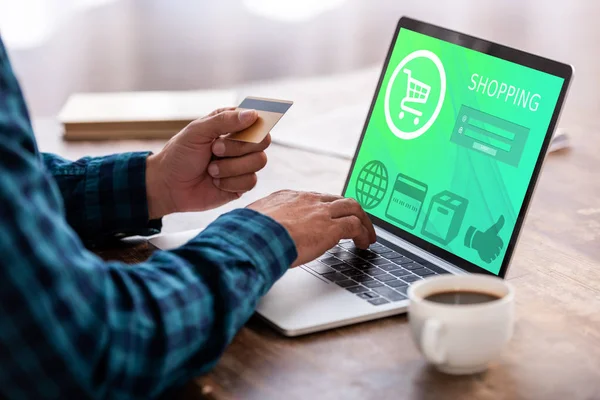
[[185, 176], [316, 222]]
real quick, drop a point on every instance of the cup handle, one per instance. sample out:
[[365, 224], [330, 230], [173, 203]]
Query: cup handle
[[430, 341]]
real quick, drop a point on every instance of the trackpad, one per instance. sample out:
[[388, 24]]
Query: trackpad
[[300, 299]]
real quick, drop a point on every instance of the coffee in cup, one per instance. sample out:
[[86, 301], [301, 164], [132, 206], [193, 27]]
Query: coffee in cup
[[459, 297], [461, 322]]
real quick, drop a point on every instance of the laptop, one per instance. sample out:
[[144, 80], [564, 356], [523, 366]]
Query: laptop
[[445, 167]]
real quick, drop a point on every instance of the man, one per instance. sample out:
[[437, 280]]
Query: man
[[73, 326]]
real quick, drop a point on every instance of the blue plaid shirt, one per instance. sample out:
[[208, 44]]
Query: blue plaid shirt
[[73, 326]]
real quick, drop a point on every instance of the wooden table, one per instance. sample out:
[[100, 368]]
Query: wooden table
[[555, 352]]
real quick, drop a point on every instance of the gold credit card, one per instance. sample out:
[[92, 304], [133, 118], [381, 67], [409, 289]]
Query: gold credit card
[[269, 112]]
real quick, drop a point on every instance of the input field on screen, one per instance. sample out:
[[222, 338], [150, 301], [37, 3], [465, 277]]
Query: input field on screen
[[492, 129], [487, 139], [489, 134]]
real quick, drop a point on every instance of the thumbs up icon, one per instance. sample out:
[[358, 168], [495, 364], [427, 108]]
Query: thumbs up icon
[[487, 243]]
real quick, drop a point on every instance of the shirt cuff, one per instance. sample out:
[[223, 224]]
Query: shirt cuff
[[115, 197], [256, 237]]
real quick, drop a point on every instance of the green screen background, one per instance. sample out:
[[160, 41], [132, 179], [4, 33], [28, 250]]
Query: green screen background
[[492, 188]]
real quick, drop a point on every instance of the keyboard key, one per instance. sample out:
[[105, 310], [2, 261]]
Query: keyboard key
[[346, 283], [387, 254], [363, 278], [372, 284], [400, 272], [378, 302], [389, 267], [373, 271], [345, 268], [336, 250], [363, 266], [334, 276], [319, 268], [339, 267], [358, 251], [402, 289], [356, 261], [410, 278], [412, 266], [368, 295], [346, 256], [352, 272], [423, 272], [329, 260], [385, 278], [402, 261], [368, 256], [379, 261], [337, 254], [347, 245], [357, 289], [396, 284], [389, 293], [394, 256], [380, 250]]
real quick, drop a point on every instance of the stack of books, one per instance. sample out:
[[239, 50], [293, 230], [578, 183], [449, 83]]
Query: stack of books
[[137, 115]]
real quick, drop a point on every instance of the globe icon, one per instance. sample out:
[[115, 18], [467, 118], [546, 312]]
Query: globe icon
[[371, 185]]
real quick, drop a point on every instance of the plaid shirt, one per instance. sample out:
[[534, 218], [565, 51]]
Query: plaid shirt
[[73, 326]]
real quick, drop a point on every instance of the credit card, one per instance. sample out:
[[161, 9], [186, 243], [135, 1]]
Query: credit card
[[269, 112], [406, 201]]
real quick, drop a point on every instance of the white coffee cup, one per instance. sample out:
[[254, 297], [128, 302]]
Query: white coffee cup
[[461, 338]]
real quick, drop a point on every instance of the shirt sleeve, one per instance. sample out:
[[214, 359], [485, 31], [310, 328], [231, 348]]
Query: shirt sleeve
[[74, 326], [104, 197]]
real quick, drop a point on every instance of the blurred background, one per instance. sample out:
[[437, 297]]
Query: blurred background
[[317, 47], [62, 46]]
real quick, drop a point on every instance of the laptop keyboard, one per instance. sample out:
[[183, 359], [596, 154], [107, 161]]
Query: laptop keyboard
[[378, 275]]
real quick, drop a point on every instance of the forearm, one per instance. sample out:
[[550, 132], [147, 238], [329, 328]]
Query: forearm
[[196, 298], [133, 331], [104, 196]]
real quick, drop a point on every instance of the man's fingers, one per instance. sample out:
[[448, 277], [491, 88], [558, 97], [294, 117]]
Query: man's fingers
[[364, 239], [236, 148], [345, 207], [221, 123], [229, 167], [328, 198], [220, 110], [351, 227], [238, 184]]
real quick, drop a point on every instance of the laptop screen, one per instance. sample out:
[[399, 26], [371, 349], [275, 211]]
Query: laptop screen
[[451, 145]]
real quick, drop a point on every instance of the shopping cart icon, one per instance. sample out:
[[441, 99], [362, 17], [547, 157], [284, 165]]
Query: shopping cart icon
[[417, 92]]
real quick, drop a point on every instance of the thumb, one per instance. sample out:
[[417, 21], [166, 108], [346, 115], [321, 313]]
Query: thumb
[[497, 226], [224, 122]]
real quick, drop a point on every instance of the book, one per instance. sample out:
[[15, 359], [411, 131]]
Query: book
[[137, 115]]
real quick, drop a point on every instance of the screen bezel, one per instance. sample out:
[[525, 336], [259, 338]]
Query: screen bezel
[[503, 52]]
